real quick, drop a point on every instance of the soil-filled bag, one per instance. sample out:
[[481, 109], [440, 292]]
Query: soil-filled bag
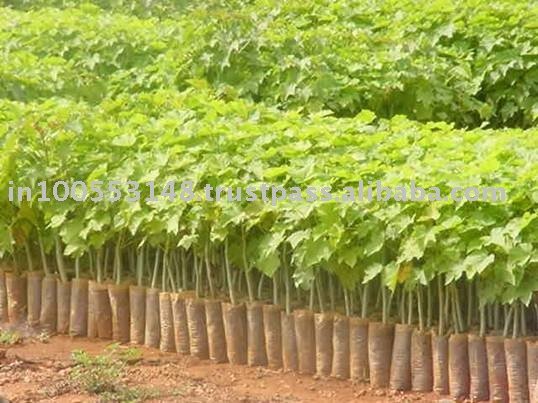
[[78, 317], [137, 311], [516, 370], [478, 369], [92, 309], [16, 298], [49, 304], [305, 335], [458, 366], [63, 298], [103, 311], [273, 335], [152, 335], [340, 365], [497, 377], [181, 327], [421, 362], [256, 355], [119, 304], [358, 349], [400, 368], [323, 323], [167, 343], [235, 329], [290, 358], [216, 339], [196, 320], [3, 298], [440, 364], [532, 369], [34, 280], [380, 337]]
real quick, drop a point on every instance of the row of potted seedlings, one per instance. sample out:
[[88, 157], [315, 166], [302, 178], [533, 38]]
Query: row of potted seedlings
[[410, 355]]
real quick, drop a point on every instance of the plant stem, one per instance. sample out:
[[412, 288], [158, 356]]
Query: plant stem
[[311, 301], [331, 291], [410, 308], [286, 280], [441, 329], [228, 273], [99, 262], [420, 313], [384, 301], [275, 288], [77, 267], [507, 321], [248, 277], [29, 259], [346, 302], [470, 305], [43, 255], [482, 320], [155, 268], [60, 260], [429, 303], [260, 285], [458, 308], [208, 271], [140, 266], [320, 296], [515, 329], [365, 301], [523, 321], [184, 272]]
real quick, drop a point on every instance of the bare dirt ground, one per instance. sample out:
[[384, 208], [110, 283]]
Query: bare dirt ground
[[37, 370]]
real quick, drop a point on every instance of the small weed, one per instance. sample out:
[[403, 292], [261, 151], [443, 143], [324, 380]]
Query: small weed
[[10, 337], [102, 374]]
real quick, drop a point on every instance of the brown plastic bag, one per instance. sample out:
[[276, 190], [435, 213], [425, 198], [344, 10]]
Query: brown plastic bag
[[137, 312], [532, 369], [121, 316], [290, 358], [215, 331], [306, 341], [103, 311], [256, 355], [92, 309], [497, 377], [516, 367], [168, 342], [421, 362], [181, 327], [199, 345], [340, 364], [78, 318], [16, 298], [34, 280], [380, 338], [273, 335], [358, 349], [3, 298], [458, 366], [400, 368], [478, 369], [235, 329], [440, 364], [63, 298], [152, 336], [323, 323]]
